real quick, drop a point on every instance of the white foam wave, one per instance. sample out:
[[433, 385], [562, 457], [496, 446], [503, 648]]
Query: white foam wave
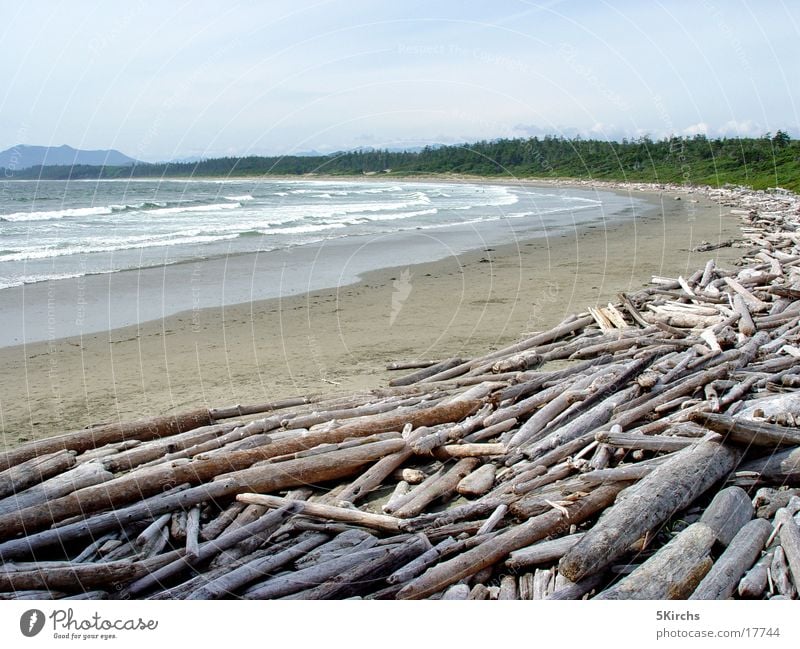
[[197, 208], [242, 198], [50, 252], [55, 214]]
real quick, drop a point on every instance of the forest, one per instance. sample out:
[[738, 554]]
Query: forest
[[767, 161]]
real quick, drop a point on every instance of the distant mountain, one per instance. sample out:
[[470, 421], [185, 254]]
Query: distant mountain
[[24, 156]]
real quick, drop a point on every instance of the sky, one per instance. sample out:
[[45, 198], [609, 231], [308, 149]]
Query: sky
[[171, 80]]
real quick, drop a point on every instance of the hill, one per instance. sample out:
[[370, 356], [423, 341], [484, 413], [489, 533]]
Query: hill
[[24, 156]]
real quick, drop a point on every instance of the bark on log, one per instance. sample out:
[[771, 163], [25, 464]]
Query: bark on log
[[720, 582], [668, 489]]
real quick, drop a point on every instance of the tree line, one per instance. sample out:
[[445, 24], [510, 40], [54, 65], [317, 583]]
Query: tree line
[[767, 161]]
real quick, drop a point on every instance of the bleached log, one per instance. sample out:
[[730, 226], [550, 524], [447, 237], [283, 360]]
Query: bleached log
[[754, 583], [379, 522], [542, 552], [721, 580], [671, 573], [728, 512], [477, 483], [789, 534], [670, 487]]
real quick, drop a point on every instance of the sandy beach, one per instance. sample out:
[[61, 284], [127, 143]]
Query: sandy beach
[[340, 338]]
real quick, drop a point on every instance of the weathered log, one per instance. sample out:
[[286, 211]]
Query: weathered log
[[542, 552], [193, 534], [469, 450], [657, 443], [280, 555], [83, 475], [628, 416], [26, 474], [156, 450], [442, 487], [253, 409], [399, 495], [82, 440], [782, 467], [418, 565], [720, 582], [780, 576], [743, 431], [477, 483], [577, 590], [373, 477], [669, 488], [71, 577], [153, 531], [728, 512], [671, 573], [379, 522], [409, 365], [364, 576], [590, 420], [754, 583], [266, 478], [768, 501], [789, 535], [207, 550], [529, 431], [299, 580], [472, 561], [218, 525], [426, 372]]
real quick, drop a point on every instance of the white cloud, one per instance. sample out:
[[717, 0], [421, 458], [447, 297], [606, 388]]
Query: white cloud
[[701, 128]]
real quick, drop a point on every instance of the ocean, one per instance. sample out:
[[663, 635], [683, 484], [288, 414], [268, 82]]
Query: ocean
[[52, 230]]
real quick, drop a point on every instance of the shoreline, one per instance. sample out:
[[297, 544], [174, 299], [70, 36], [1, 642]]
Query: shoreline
[[340, 339]]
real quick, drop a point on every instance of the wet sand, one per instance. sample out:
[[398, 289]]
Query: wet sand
[[340, 338]]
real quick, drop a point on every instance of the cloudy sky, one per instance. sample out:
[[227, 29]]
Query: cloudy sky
[[162, 80]]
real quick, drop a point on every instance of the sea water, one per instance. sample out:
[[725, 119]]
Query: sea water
[[51, 230]]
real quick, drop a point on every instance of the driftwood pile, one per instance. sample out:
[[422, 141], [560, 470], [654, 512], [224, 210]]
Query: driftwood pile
[[647, 449]]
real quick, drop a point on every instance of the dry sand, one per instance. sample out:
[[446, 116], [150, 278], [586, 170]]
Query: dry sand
[[340, 339]]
